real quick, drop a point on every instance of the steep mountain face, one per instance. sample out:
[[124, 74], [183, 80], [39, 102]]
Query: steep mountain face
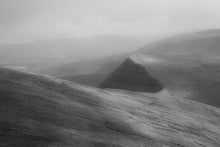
[[41, 111], [132, 76]]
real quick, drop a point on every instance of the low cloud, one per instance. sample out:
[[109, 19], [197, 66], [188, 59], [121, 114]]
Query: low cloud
[[32, 20]]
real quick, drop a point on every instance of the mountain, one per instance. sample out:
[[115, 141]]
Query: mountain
[[187, 65], [52, 52], [132, 76], [41, 111]]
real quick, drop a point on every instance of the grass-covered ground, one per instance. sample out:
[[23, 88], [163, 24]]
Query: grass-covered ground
[[38, 111]]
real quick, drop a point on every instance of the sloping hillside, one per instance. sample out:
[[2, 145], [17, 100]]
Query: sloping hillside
[[40, 111], [132, 76], [204, 43]]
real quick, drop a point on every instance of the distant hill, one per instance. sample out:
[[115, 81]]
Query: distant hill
[[42, 111], [204, 43]]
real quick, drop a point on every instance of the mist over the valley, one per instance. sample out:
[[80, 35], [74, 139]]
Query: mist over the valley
[[47, 33]]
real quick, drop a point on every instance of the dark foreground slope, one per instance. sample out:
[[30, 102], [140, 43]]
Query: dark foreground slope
[[37, 111], [132, 76]]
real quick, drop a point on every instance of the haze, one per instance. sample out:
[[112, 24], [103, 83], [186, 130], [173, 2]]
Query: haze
[[29, 20]]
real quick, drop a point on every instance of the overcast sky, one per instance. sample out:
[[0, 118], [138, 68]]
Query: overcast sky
[[27, 20]]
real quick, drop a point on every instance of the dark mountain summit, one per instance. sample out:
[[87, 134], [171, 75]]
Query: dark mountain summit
[[132, 76]]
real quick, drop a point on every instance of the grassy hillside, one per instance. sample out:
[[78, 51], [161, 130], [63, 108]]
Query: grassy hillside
[[40, 111]]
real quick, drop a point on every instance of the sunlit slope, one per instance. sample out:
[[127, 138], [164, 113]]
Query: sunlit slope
[[41, 111]]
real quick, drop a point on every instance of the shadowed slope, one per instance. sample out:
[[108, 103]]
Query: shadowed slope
[[132, 76], [39, 111]]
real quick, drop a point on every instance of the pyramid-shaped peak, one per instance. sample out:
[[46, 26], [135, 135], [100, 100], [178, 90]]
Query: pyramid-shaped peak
[[132, 76]]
